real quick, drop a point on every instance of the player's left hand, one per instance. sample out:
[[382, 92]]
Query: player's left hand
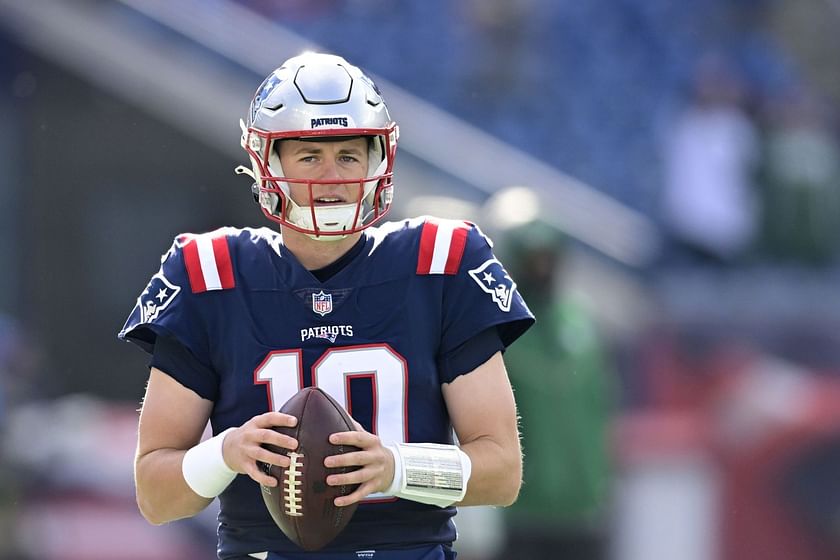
[[375, 462]]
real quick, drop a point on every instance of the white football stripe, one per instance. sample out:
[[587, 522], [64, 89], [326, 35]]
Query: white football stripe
[[443, 239], [207, 258]]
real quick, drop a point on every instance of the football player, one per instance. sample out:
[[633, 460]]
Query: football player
[[404, 323]]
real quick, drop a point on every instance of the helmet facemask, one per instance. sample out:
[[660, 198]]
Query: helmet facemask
[[286, 112]]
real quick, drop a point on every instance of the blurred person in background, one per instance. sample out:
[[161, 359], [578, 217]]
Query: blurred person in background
[[239, 320], [18, 386], [20, 362], [565, 392], [7, 498], [709, 203], [809, 488], [800, 174]]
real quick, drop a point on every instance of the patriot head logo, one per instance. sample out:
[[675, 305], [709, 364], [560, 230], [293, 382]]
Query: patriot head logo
[[156, 297], [263, 92], [493, 279], [322, 303]]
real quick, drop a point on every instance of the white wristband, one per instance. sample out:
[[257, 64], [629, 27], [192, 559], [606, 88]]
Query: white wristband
[[204, 467], [429, 473]]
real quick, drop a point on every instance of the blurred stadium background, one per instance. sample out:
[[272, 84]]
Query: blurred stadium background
[[687, 152]]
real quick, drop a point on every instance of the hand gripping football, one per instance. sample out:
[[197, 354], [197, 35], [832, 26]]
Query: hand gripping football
[[302, 503]]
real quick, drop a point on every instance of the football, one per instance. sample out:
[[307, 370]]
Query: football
[[302, 502]]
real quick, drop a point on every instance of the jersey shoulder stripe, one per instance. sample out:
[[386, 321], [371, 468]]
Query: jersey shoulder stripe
[[208, 262], [442, 244]]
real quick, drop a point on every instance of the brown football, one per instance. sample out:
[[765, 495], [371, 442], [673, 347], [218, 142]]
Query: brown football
[[302, 503]]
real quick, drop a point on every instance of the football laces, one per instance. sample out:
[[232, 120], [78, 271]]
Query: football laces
[[291, 484]]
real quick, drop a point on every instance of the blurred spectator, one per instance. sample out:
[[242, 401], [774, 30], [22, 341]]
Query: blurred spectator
[[810, 488], [800, 173], [710, 155], [776, 428], [71, 496], [564, 390], [495, 43], [5, 377], [17, 385], [18, 366]]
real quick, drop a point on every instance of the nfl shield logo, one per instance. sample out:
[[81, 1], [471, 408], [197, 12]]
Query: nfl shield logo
[[322, 303]]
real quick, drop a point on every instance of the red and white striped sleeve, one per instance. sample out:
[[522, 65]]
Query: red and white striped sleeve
[[442, 244], [208, 262]]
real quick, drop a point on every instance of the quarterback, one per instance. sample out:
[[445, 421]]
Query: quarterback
[[404, 323]]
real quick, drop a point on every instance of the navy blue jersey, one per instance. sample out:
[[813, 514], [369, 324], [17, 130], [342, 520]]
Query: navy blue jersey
[[372, 336]]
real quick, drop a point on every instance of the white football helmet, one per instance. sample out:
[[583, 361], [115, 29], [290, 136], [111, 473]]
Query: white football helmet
[[318, 96]]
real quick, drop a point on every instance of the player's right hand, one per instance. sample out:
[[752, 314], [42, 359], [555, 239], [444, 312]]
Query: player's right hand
[[243, 447]]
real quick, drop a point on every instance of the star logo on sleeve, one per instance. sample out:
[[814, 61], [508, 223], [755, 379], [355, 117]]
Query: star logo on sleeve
[[156, 297], [492, 278]]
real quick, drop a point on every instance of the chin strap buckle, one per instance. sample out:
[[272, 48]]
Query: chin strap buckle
[[255, 187]]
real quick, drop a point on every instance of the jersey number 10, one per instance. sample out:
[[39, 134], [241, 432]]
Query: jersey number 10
[[282, 372]]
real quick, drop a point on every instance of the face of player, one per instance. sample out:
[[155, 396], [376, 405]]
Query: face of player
[[325, 161]]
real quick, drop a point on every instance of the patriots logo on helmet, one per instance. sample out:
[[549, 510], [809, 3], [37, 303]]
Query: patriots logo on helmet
[[156, 297], [494, 280], [374, 87], [330, 121], [262, 93]]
